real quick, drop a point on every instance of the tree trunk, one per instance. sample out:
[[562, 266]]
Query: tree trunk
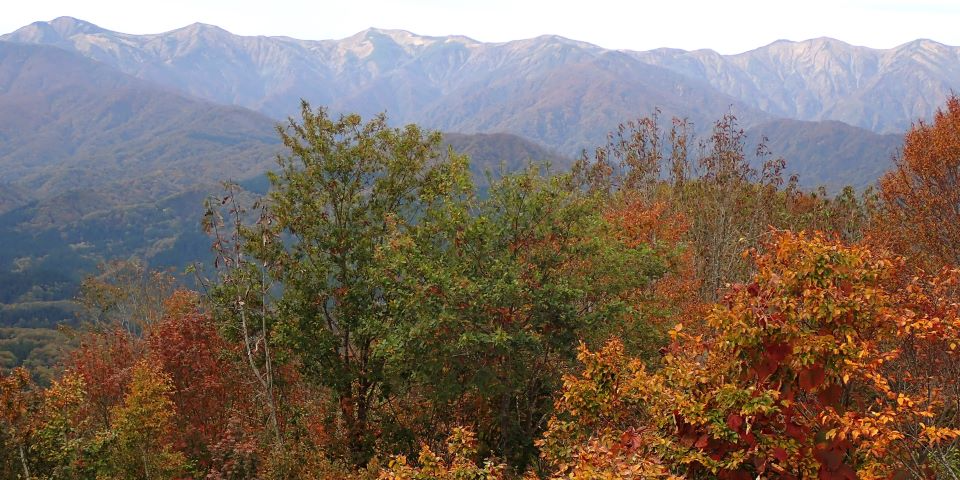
[[23, 461]]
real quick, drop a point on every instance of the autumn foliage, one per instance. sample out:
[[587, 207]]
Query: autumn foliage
[[458, 462], [129, 406], [921, 194], [205, 383], [805, 372], [654, 313]]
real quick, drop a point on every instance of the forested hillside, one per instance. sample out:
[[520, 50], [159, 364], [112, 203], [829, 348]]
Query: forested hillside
[[69, 123], [537, 258], [834, 154], [655, 311], [97, 165]]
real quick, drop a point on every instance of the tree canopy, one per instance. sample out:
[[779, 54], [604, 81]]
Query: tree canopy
[[670, 308]]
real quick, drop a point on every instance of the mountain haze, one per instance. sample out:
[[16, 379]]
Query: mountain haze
[[560, 92], [828, 153], [12, 196], [96, 164], [110, 142], [826, 79], [68, 122]]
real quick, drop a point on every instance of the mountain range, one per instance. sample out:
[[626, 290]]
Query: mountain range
[[96, 164], [826, 79], [110, 141], [560, 92]]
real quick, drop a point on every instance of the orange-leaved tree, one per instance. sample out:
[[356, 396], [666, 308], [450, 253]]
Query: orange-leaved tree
[[15, 401], [208, 386], [459, 463], [603, 427], [205, 384], [140, 437], [800, 373], [920, 214]]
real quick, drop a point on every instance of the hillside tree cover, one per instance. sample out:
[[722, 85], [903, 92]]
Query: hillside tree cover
[[921, 198], [671, 308]]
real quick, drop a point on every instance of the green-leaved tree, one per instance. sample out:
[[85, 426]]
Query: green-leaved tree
[[340, 194]]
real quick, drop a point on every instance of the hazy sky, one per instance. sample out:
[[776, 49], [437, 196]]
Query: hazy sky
[[727, 26]]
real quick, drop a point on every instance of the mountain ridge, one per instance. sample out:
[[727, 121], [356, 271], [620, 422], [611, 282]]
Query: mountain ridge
[[559, 92], [828, 79], [68, 119], [414, 78], [98, 165], [832, 153], [527, 86]]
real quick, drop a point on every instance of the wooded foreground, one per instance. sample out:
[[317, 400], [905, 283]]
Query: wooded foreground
[[670, 308]]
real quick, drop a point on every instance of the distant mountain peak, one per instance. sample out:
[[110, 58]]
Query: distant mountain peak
[[406, 39], [922, 44], [198, 28], [818, 43], [826, 41], [390, 32], [203, 26], [402, 37], [366, 42], [55, 32], [69, 26], [551, 38]]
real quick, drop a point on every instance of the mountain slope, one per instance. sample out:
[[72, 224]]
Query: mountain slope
[[557, 91], [828, 153], [490, 151], [826, 79], [527, 86], [67, 122], [573, 104], [12, 196], [96, 164]]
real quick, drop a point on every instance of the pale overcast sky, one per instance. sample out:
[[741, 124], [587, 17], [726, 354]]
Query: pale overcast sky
[[726, 26]]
